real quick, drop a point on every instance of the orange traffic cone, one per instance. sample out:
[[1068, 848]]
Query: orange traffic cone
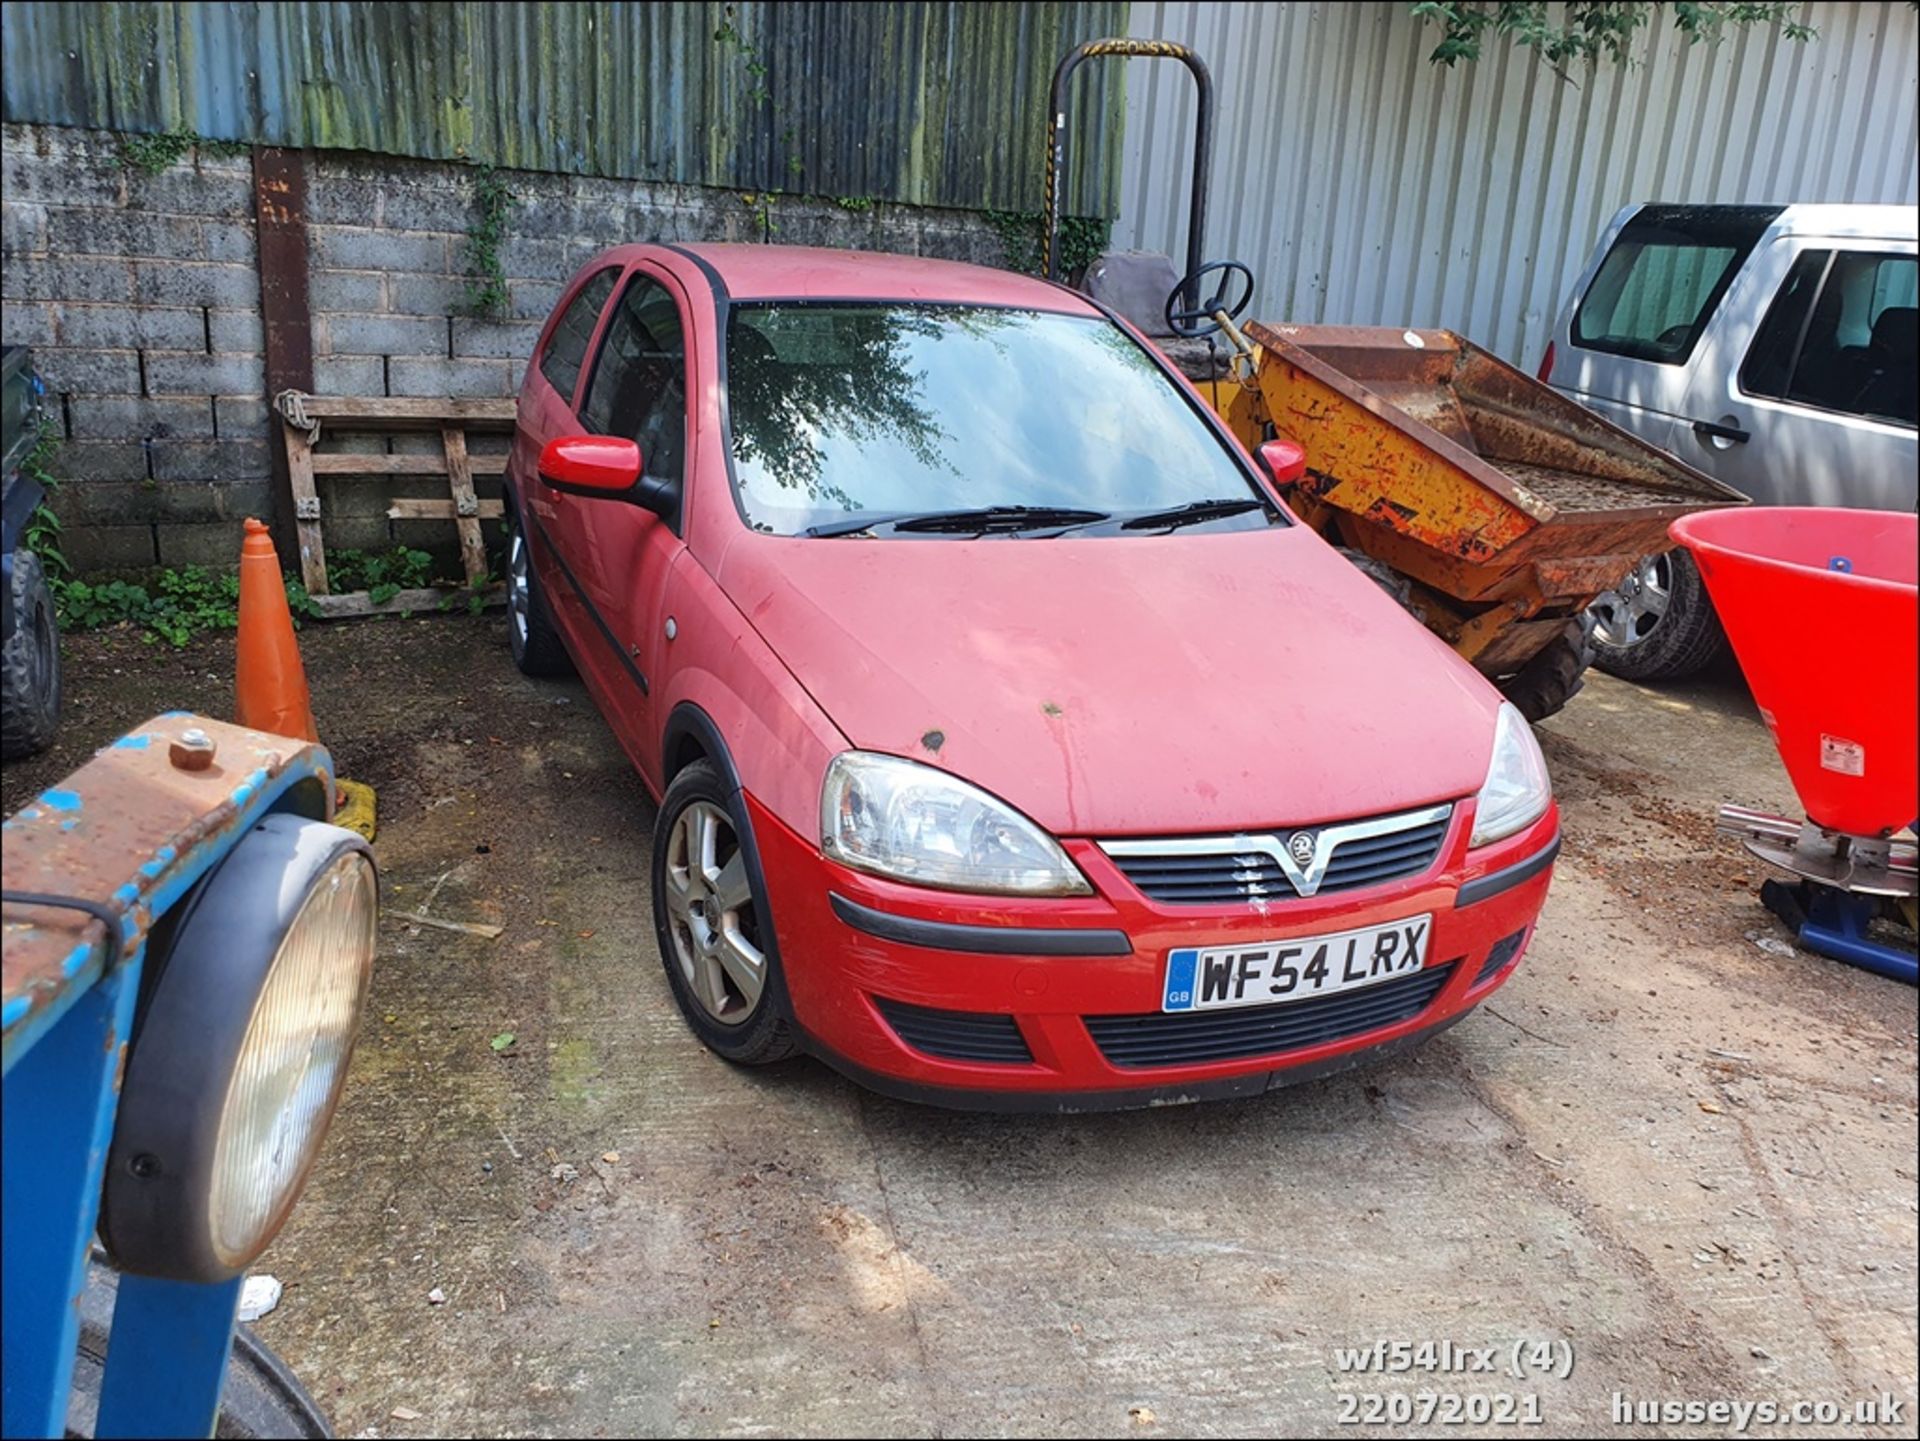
[[269, 683]]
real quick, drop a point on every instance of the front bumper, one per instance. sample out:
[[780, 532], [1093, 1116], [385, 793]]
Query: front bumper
[[866, 959]]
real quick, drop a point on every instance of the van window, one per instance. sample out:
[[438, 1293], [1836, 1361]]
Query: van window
[[1657, 288], [1842, 335], [567, 350]]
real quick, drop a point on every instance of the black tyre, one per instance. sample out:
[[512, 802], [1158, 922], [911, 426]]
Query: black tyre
[[1555, 675], [536, 645], [29, 664], [1659, 625], [262, 1397], [712, 922]]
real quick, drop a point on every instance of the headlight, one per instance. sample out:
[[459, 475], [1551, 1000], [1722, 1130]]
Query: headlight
[[914, 823], [240, 1052], [1517, 790]]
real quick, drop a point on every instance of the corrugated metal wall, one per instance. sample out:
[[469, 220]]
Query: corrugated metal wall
[[1366, 186], [931, 104]]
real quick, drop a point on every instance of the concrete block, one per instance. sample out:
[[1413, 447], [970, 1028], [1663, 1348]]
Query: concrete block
[[527, 258], [349, 375], [59, 278], [211, 543], [349, 497], [23, 229], [124, 418], [342, 248], [93, 372], [499, 340], [241, 417], [87, 461], [364, 290], [422, 207], [178, 373], [333, 200], [198, 460], [108, 547], [93, 231], [195, 190], [381, 335], [28, 175], [236, 332], [242, 498], [234, 286], [358, 532], [426, 294], [235, 240], [407, 376], [26, 322], [533, 299], [131, 326]]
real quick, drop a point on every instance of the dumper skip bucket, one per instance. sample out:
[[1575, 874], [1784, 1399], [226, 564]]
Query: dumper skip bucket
[[1822, 609]]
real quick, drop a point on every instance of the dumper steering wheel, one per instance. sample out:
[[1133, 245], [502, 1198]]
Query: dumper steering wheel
[[1199, 322]]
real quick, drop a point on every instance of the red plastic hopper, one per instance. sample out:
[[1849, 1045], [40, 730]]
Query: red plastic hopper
[[1822, 607]]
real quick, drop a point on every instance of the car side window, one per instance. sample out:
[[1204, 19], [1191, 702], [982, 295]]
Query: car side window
[[639, 388], [1842, 335], [567, 349]]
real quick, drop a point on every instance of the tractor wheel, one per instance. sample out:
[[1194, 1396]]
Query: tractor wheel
[[1554, 676], [29, 664]]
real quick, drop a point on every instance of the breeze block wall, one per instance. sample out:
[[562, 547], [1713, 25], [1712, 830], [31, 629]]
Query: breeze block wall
[[140, 296]]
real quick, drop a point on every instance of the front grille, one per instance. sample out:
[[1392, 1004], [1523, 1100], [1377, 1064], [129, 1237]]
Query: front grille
[[1503, 951], [1184, 1038], [1238, 869], [957, 1035]]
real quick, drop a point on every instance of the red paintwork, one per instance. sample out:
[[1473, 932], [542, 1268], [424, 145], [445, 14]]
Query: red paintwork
[[1833, 656], [1286, 460], [1193, 682], [599, 462]]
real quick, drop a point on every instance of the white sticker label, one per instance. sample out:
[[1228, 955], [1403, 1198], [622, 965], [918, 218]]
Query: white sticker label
[[1847, 757], [1412, 337], [1767, 717]]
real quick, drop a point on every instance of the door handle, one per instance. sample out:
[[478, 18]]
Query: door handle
[[1707, 429]]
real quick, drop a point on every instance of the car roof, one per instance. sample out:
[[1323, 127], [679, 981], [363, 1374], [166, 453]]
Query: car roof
[[800, 272]]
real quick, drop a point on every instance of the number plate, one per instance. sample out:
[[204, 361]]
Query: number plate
[[1262, 973]]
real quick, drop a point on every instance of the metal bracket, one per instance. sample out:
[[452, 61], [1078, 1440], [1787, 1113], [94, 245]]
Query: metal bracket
[[1868, 865], [307, 508], [465, 505]]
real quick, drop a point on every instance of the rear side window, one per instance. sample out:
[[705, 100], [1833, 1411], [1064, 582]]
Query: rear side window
[[639, 385], [567, 350], [1842, 335], [1657, 288]]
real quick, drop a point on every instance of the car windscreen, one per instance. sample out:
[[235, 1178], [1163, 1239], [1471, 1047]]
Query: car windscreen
[[840, 410], [1657, 288]]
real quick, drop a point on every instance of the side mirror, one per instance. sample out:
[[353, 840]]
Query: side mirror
[[605, 467], [1285, 460]]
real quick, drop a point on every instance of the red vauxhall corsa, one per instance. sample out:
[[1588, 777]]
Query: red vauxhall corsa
[[1014, 747]]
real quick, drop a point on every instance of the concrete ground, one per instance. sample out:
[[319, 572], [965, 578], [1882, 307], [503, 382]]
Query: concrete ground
[[1670, 1143]]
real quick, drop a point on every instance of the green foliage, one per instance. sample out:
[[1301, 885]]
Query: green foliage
[[176, 605], [858, 204], [151, 154], [1587, 30], [42, 533], [731, 41], [1083, 240], [381, 575], [493, 201]]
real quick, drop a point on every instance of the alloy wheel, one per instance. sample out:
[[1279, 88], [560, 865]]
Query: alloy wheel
[[710, 914], [1628, 615], [517, 584]]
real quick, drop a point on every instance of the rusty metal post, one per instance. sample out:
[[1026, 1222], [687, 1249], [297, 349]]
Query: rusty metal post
[[280, 207]]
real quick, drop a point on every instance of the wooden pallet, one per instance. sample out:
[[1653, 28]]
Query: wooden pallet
[[302, 419]]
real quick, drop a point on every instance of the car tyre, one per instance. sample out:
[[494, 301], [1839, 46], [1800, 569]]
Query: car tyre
[[536, 645], [29, 664], [1660, 625], [713, 924]]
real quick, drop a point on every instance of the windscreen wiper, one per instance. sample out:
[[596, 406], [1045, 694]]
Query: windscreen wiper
[[1192, 513], [972, 520]]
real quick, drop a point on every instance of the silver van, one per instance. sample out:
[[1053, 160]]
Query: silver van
[[1771, 346]]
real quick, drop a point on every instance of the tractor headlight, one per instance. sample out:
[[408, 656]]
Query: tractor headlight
[[1517, 791], [238, 1058], [914, 823]]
